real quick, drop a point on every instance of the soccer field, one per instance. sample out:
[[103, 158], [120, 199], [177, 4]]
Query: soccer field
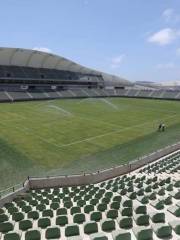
[[70, 136]]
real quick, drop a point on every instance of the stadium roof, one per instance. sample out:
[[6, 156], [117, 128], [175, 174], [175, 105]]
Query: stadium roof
[[37, 59]]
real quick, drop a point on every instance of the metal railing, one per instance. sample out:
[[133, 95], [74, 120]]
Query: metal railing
[[11, 189]]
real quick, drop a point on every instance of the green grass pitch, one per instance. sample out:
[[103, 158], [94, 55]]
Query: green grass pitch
[[70, 136]]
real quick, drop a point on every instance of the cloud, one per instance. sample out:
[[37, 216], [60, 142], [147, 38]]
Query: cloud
[[169, 65], [117, 61], [178, 51], [42, 49], [170, 15], [165, 36]]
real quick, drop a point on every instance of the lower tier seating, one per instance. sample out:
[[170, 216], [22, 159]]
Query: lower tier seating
[[142, 205]]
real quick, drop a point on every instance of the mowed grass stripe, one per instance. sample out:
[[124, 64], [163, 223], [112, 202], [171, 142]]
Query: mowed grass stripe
[[48, 139], [30, 131]]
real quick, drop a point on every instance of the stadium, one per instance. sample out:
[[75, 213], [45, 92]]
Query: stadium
[[87, 144], [90, 120]]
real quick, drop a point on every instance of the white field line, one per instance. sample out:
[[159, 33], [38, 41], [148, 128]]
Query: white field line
[[109, 103], [108, 133], [88, 119], [31, 132], [87, 139], [28, 130], [61, 109]]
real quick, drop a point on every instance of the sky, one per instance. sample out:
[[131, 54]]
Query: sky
[[135, 39]]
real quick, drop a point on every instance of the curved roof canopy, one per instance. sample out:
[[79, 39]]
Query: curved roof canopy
[[37, 59]]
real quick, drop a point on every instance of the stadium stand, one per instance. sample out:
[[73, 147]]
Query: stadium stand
[[38, 95], [66, 94], [39, 70], [170, 94], [26, 74], [144, 204], [80, 92], [84, 93], [19, 96], [4, 97], [53, 94]]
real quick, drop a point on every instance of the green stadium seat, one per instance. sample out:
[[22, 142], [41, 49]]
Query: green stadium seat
[[88, 208], [94, 201], [62, 220], [53, 233], [61, 211], [90, 227], [17, 216], [158, 204], [33, 214], [81, 203], [102, 207], [24, 225], [41, 207], [71, 230], [141, 219], [117, 198], [6, 227], [12, 236], [157, 217], [68, 204], [3, 218], [108, 225], [125, 222], [79, 218], [21, 203], [33, 235], [112, 213], [115, 205], [12, 210], [162, 230], [126, 203], [96, 216], [26, 209], [126, 211], [143, 199], [140, 209], [74, 210], [9, 205], [143, 233], [48, 213], [44, 222]]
